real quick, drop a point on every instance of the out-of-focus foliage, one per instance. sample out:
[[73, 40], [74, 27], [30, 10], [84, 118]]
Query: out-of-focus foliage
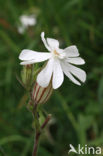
[[77, 111]]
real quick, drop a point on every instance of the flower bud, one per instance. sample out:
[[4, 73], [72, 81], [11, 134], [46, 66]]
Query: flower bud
[[41, 95], [26, 75]]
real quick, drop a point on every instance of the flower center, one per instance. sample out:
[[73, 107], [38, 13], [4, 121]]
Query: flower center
[[58, 55]]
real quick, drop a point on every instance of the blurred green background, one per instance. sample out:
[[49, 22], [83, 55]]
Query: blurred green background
[[77, 111]]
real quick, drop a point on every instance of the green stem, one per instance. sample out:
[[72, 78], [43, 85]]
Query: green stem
[[38, 130]]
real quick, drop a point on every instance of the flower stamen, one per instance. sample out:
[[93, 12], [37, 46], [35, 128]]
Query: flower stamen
[[56, 53]]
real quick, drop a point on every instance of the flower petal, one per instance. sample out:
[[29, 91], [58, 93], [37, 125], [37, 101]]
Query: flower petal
[[58, 75], [44, 41], [28, 20], [68, 74], [53, 43], [77, 60], [27, 62], [79, 73], [71, 51], [29, 55], [21, 29], [45, 75]]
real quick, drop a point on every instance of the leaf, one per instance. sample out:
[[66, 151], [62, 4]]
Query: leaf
[[12, 138], [100, 92]]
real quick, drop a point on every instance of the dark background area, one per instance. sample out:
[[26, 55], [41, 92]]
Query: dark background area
[[77, 111]]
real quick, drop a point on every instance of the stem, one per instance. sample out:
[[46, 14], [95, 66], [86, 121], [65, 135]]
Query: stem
[[38, 133], [2, 151], [36, 143]]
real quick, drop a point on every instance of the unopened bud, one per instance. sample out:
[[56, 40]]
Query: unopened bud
[[26, 75], [41, 95]]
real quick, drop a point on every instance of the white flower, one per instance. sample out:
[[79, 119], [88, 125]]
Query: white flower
[[21, 29], [26, 20], [59, 63]]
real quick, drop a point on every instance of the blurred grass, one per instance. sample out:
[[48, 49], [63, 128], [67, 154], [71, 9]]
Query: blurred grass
[[78, 111]]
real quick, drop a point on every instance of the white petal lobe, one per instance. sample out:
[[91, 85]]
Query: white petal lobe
[[77, 60], [27, 62], [79, 73], [45, 75], [53, 43], [44, 41], [71, 51], [68, 74], [29, 55], [58, 75]]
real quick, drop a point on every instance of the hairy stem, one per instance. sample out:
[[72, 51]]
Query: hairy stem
[[37, 135], [36, 143]]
